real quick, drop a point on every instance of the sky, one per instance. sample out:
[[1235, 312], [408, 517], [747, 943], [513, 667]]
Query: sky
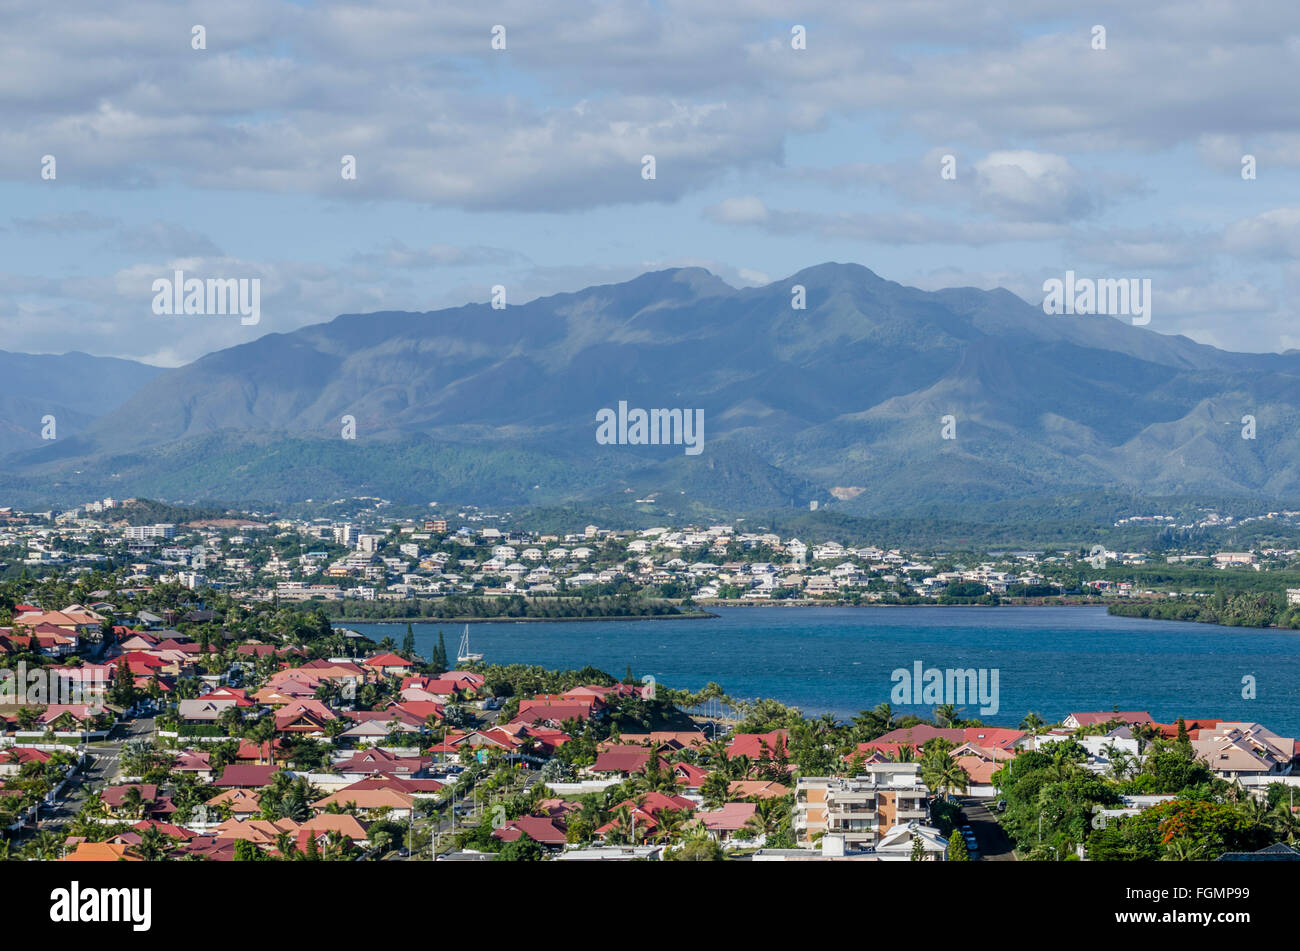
[[523, 166]]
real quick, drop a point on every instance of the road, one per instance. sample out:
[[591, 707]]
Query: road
[[102, 768], [447, 824], [995, 845]]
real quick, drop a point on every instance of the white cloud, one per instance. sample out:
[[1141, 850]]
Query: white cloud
[[1273, 234], [747, 210]]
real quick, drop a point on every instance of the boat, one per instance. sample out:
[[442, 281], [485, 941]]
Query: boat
[[463, 655]]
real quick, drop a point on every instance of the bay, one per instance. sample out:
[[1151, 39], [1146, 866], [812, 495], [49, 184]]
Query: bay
[[1052, 660]]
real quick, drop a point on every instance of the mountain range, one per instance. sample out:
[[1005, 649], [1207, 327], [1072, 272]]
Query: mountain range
[[74, 388], [842, 403]]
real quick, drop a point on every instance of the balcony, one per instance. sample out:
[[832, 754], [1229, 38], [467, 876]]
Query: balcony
[[853, 825]]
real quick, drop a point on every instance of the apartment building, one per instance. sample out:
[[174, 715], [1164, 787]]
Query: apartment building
[[140, 532], [861, 808]]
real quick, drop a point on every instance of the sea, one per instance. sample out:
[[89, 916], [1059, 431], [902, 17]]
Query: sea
[[1049, 660]]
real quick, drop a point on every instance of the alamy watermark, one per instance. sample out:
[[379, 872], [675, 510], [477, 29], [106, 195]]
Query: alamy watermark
[[214, 297], [931, 686], [654, 427], [42, 686], [1115, 297], [74, 904]]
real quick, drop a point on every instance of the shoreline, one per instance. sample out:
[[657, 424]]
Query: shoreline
[[704, 616], [796, 603]]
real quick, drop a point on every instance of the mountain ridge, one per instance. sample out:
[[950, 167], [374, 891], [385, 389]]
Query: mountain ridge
[[72, 387], [850, 391]]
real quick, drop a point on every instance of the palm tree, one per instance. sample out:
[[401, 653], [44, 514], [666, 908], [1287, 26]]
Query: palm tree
[[1255, 811], [286, 846], [261, 730], [626, 830], [84, 825], [769, 815], [153, 844], [1183, 849], [699, 845], [941, 773], [337, 846], [739, 767], [133, 803], [671, 822], [138, 757], [881, 719], [45, 846], [716, 789], [715, 751], [1032, 723], [905, 753], [1121, 762], [1284, 823], [862, 723], [946, 715], [1063, 766], [1144, 733]]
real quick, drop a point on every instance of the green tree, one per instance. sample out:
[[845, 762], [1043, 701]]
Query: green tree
[[942, 774], [522, 849], [957, 851], [918, 849]]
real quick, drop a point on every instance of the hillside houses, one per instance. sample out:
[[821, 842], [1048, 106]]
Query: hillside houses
[[402, 559]]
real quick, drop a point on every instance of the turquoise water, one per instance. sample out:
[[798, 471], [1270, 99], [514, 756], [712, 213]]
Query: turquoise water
[[839, 660]]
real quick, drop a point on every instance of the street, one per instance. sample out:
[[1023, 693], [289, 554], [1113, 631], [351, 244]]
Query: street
[[994, 844], [104, 758]]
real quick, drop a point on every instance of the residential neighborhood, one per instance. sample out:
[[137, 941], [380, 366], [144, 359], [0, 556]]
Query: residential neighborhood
[[375, 565], [230, 729]]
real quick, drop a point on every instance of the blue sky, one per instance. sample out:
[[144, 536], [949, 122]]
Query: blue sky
[[522, 166]]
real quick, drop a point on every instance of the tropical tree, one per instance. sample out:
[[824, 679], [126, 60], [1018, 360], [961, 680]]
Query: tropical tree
[[716, 790], [879, 720], [45, 846], [1122, 764], [153, 844], [770, 816], [1284, 823], [698, 846], [946, 715], [943, 775], [906, 753], [133, 803], [1183, 849], [1032, 724]]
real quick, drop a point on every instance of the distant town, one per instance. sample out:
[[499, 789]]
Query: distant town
[[378, 567], [192, 690]]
